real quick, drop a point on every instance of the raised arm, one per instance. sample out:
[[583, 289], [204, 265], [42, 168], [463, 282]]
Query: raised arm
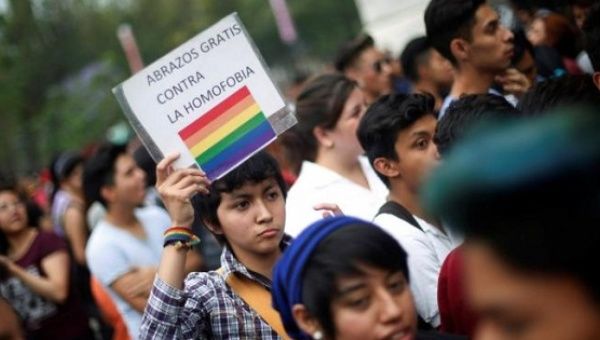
[[176, 187], [165, 313]]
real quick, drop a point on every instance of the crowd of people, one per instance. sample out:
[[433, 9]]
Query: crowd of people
[[464, 205]]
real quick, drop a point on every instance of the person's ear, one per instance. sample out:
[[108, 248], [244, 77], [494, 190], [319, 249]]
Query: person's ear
[[323, 137], [387, 167], [423, 71], [108, 193], [597, 79], [307, 323], [460, 49], [353, 72], [215, 229]]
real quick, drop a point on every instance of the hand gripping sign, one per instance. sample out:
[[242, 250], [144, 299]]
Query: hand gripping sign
[[211, 99]]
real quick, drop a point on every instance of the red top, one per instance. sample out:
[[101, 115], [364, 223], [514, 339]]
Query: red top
[[42, 318], [456, 316]]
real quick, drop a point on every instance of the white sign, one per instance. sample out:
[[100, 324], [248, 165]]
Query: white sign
[[206, 99]]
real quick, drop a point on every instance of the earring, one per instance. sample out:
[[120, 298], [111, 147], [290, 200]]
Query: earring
[[318, 335]]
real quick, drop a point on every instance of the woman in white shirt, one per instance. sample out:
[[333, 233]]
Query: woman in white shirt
[[333, 169]]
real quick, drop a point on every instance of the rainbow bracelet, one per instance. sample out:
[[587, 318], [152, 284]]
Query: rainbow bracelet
[[180, 237]]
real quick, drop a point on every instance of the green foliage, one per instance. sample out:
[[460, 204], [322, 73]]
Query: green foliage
[[60, 59]]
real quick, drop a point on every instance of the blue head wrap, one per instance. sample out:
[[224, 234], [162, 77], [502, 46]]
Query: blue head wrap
[[287, 275]]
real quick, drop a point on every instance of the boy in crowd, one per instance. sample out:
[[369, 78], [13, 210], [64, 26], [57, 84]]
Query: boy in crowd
[[568, 90], [591, 31], [466, 113], [362, 62], [427, 69], [531, 228], [463, 117], [123, 251], [397, 136], [245, 210], [469, 34]]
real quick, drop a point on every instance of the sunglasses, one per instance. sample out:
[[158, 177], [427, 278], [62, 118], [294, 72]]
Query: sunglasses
[[378, 65]]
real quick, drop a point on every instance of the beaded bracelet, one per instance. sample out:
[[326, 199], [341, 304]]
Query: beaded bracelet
[[180, 237]]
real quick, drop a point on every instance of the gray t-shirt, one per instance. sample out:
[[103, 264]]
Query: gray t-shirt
[[112, 252]]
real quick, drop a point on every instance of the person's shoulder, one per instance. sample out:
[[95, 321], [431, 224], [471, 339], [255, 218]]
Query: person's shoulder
[[49, 242], [396, 225], [103, 236]]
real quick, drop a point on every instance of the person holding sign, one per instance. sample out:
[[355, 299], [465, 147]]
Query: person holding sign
[[245, 210], [329, 110]]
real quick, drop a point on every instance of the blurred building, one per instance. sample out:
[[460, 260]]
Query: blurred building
[[392, 23]]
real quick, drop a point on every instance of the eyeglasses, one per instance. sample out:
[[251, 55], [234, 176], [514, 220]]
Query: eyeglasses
[[4, 207], [378, 65]]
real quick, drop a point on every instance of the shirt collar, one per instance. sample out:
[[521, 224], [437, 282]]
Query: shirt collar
[[230, 264]]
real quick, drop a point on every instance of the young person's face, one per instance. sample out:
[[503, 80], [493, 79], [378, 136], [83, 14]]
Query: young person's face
[[252, 218], [373, 73], [13, 214], [416, 151], [343, 134], [75, 179], [375, 305], [491, 45], [517, 305], [439, 70], [129, 186], [580, 14], [537, 32]]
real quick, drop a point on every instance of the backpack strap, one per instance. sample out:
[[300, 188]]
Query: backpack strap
[[393, 208], [258, 298]]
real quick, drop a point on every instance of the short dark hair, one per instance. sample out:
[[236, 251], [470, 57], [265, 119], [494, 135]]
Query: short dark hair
[[386, 118], [446, 20], [568, 90], [8, 183], [591, 32], [351, 50], [61, 167], [535, 201], [416, 52], [466, 113], [320, 103], [341, 254], [99, 171], [256, 169]]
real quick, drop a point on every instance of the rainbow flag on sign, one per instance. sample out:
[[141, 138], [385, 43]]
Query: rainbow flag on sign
[[228, 134]]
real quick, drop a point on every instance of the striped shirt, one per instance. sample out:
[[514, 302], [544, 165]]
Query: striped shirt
[[206, 308]]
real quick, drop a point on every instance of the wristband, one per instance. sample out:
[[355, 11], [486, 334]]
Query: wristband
[[180, 237]]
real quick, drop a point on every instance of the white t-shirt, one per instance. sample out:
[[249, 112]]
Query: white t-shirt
[[426, 252], [317, 184], [112, 252]]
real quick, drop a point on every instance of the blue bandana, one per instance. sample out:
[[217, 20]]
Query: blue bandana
[[287, 275]]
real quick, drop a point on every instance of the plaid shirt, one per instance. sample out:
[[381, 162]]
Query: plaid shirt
[[206, 308]]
